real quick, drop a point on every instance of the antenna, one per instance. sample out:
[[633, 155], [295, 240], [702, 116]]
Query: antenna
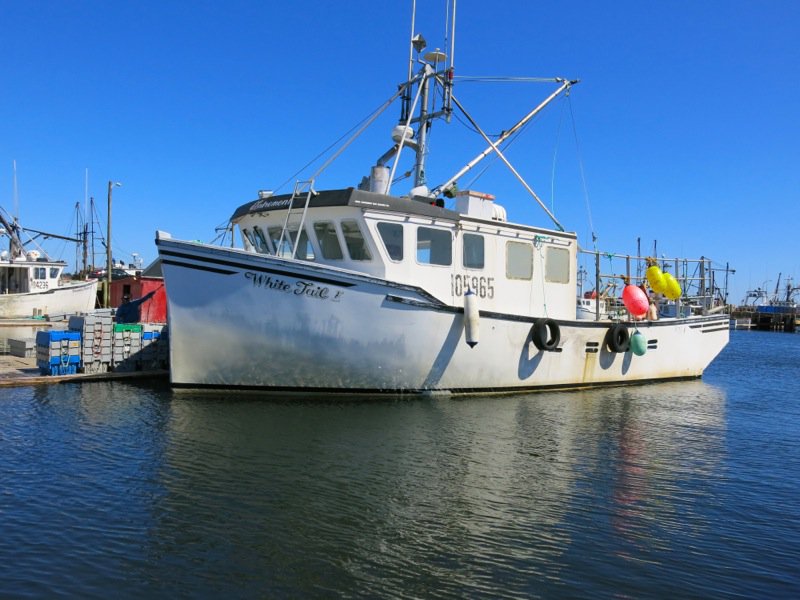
[[16, 195], [86, 194], [448, 88], [411, 44]]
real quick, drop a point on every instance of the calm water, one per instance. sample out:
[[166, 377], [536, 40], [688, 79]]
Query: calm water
[[663, 491]]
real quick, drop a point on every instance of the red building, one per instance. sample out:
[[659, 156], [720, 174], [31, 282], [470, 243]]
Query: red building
[[153, 310]]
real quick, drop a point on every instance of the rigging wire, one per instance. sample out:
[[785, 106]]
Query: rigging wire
[[555, 158], [583, 174], [493, 159], [501, 79], [366, 120]]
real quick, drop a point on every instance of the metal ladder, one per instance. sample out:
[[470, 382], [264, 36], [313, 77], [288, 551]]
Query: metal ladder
[[301, 187]]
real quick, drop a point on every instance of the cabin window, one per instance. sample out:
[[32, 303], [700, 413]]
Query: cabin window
[[392, 236], [354, 239], [519, 260], [285, 247], [473, 256], [39, 273], [434, 246], [305, 251], [260, 240], [249, 242], [556, 265], [328, 240], [53, 272]]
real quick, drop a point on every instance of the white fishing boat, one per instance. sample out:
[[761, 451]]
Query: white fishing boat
[[31, 285], [361, 290]]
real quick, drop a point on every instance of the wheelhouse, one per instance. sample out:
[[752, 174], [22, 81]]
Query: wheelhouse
[[512, 269], [21, 277]]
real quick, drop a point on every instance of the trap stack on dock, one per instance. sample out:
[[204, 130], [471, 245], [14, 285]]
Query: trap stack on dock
[[58, 352], [95, 332], [95, 344], [127, 347], [155, 346]]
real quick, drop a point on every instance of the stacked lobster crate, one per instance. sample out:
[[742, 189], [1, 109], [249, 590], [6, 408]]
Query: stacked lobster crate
[[58, 352], [95, 344], [95, 331]]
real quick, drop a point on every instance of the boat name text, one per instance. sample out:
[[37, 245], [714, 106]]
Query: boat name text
[[298, 288], [483, 287], [269, 204]]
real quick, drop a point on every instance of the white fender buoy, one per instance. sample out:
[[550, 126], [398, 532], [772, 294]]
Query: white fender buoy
[[471, 318]]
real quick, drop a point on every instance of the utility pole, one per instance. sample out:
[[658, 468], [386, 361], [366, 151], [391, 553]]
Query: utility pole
[[109, 266]]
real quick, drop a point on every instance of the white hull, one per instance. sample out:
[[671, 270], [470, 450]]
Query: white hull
[[238, 319], [69, 298]]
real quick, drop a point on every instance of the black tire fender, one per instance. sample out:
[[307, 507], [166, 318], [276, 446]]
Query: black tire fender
[[546, 334], [618, 338]]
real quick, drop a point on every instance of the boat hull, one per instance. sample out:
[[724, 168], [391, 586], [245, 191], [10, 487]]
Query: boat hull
[[69, 298], [252, 321]]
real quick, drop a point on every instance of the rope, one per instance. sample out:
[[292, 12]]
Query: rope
[[537, 244]]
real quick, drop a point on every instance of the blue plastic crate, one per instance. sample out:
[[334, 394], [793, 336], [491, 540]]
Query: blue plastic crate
[[66, 359], [43, 338], [69, 369]]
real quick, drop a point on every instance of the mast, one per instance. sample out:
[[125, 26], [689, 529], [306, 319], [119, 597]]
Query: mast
[[14, 243], [91, 211], [85, 247], [429, 73], [422, 133]]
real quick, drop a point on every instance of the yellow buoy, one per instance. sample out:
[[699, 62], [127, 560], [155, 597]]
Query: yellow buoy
[[672, 287], [656, 279]]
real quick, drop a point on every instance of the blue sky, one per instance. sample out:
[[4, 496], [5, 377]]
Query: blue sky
[[687, 115]]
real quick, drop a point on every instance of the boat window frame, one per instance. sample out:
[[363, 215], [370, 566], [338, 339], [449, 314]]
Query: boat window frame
[[304, 241], [247, 237], [482, 238], [557, 271], [528, 276], [364, 243], [321, 246], [389, 253], [274, 233], [293, 238], [417, 249], [261, 243]]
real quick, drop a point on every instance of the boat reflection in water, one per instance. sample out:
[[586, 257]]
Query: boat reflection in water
[[317, 492], [306, 497]]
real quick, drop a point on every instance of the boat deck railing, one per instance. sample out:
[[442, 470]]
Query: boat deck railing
[[300, 188], [704, 286]]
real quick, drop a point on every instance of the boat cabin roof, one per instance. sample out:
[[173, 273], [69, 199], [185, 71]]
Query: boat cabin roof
[[348, 197], [416, 205]]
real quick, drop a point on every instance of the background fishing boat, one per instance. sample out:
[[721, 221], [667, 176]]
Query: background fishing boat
[[32, 284]]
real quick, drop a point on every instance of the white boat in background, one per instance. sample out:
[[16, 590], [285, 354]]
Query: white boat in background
[[360, 290], [31, 285]]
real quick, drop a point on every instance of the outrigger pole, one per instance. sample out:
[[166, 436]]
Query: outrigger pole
[[502, 156], [565, 85]]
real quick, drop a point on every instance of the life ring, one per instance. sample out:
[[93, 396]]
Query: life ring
[[618, 338], [546, 334]]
